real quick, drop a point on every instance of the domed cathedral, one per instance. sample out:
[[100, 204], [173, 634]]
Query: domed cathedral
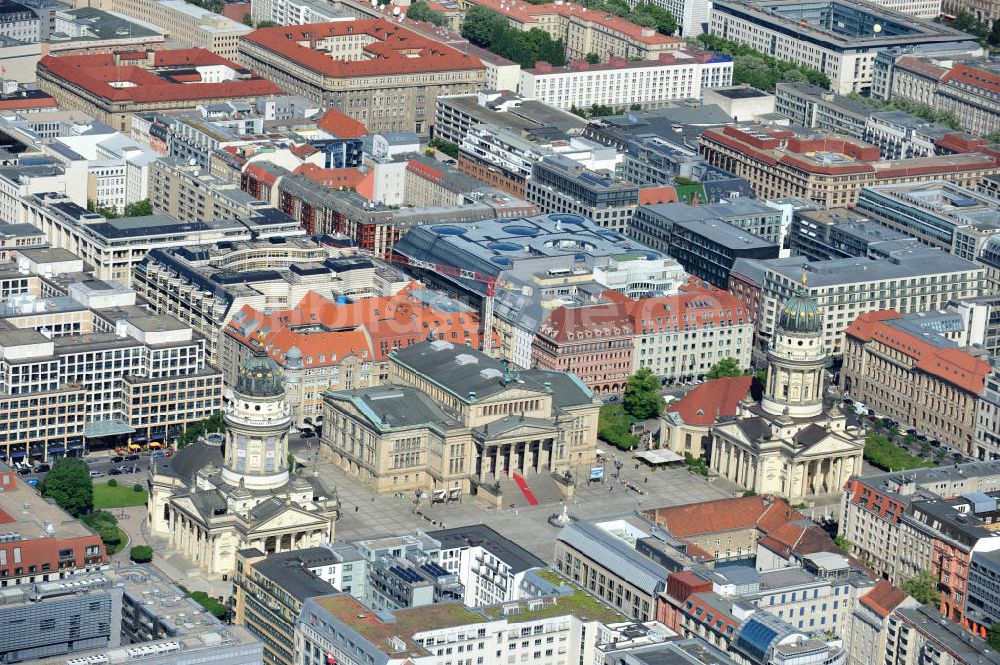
[[229, 492], [789, 443]]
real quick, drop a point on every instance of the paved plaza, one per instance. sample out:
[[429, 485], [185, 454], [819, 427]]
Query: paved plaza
[[366, 514]]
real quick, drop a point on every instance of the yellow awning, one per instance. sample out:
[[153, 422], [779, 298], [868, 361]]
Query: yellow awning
[[155, 444], [134, 446]]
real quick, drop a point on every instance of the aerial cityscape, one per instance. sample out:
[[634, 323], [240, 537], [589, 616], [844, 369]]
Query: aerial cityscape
[[500, 332]]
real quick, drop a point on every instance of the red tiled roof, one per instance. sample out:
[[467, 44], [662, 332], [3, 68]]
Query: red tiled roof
[[236, 10], [394, 49], [663, 194], [978, 78], [883, 598], [950, 364], [95, 74], [711, 399], [341, 125], [721, 515], [525, 12], [367, 328], [702, 304], [920, 67], [332, 178], [566, 324], [33, 102]]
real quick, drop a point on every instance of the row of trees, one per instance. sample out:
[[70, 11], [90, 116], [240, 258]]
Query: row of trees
[[981, 30], [922, 111], [752, 67], [69, 484], [142, 208], [491, 31], [214, 423], [643, 13]]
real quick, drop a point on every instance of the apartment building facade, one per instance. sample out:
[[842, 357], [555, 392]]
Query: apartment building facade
[[901, 366], [619, 82]]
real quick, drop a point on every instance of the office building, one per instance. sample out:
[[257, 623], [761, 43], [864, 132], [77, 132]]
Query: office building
[[545, 259], [606, 342], [121, 615], [982, 610], [211, 502], [943, 215], [843, 47], [560, 185], [869, 621], [917, 634], [968, 89], [830, 170], [490, 568], [113, 247], [146, 81], [873, 506], [395, 91], [987, 438], [15, 236], [838, 233], [814, 107], [88, 29], [323, 345], [603, 558], [678, 74], [188, 24], [113, 372], [567, 625], [707, 240], [935, 386], [455, 115], [482, 444], [270, 591], [907, 278], [900, 135], [299, 12], [981, 321], [207, 284], [585, 32]]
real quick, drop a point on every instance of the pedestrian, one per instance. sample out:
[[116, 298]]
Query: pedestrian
[[357, 508], [646, 479]]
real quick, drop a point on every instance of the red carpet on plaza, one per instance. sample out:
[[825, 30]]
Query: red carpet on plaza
[[528, 494]]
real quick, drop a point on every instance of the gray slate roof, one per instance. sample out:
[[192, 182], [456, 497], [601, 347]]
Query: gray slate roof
[[615, 555]]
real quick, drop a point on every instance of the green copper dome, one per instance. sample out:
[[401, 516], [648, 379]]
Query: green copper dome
[[259, 376], [800, 313]]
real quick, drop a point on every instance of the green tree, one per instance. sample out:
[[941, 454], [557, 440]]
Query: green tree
[[137, 488], [752, 67], [993, 636], [421, 11], [214, 423], [446, 147], [843, 543], [267, 24], [112, 483], [615, 427], [70, 486], [290, 459], [653, 16], [106, 211], [725, 367], [141, 208], [994, 37], [141, 554], [217, 609], [593, 58], [248, 19], [642, 395], [491, 31], [923, 587], [105, 525]]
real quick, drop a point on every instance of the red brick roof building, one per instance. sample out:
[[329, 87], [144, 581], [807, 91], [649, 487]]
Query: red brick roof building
[[380, 73], [825, 168], [322, 345], [111, 87], [902, 368], [38, 540]]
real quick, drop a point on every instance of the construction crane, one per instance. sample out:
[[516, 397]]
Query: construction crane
[[489, 280]]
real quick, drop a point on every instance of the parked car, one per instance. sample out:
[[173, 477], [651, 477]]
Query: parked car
[[24, 470], [117, 459], [43, 468], [131, 458], [158, 453], [115, 472], [170, 452], [308, 434], [96, 474]]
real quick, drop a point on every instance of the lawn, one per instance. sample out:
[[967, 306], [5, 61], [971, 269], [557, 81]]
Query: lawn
[[122, 496]]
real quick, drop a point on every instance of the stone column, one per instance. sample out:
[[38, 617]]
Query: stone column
[[510, 458]]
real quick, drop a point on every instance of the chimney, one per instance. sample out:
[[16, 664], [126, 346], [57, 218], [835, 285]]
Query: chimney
[[543, 67], [617, 61], [579, 66]]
